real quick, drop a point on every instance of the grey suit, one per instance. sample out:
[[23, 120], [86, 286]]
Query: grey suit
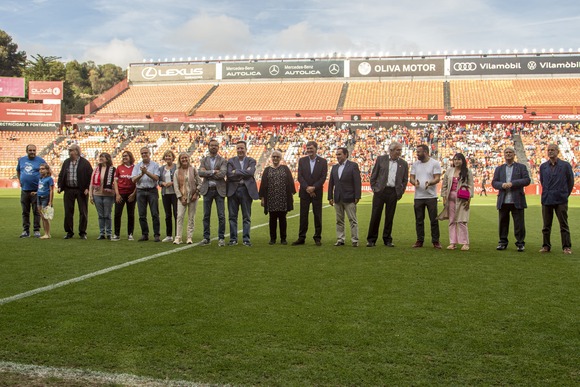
[[384, 196], [213, 192], [242, 189]]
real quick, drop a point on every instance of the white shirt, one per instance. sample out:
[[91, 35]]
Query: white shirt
[[424, 172]]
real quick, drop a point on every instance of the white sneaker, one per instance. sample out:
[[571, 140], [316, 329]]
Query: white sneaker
[[130, 237], [189, 241], [167, 239], [177, 241], [221, 243], [115, 238]]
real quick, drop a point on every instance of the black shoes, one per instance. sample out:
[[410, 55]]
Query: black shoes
[[389, 244], [298, 242], [501, 247]]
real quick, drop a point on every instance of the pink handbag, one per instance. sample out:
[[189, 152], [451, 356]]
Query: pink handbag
[[463, 193]]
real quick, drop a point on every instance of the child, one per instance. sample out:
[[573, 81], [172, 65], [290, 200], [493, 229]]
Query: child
[[44, 197]]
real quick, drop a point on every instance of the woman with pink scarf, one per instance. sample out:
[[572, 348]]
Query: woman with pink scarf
[[102, 193]]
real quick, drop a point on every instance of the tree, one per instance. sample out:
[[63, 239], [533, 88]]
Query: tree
[[12, 61]]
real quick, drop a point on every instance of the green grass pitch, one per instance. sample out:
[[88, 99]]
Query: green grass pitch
[[304, 315]]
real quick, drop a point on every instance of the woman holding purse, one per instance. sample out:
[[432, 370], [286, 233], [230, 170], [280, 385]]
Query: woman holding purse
[[187, 183], [457, 191]]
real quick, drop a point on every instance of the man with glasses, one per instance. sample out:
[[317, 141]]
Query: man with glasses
[[74, 180], [388, 181], [145, 178], [28, 174]]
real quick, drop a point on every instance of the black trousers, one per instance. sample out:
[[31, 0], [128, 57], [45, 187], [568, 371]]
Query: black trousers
[[130, 214], [72, 195], [431, 205], [304, 211], [170, 208], [386, 198], [275, 218], [504, 224], [561, 211]]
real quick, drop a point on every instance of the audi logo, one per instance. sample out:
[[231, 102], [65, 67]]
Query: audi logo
[[464, 66]]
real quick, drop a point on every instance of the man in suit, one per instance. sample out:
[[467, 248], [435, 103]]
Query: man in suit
[[510, 179], [312, 170], [213, 169], [241, 190], [344, 191], [557, 179], [74, 179], [388, 181]]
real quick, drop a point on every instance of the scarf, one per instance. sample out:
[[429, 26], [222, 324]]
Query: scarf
[[109, 176]]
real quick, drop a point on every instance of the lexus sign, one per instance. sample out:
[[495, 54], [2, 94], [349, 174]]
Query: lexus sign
[[172, 73]]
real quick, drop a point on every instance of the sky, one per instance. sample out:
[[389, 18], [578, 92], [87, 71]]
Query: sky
[[123, 31]]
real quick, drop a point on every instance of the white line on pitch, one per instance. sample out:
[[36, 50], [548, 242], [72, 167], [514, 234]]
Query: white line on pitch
[[76, 374], [110, 269]]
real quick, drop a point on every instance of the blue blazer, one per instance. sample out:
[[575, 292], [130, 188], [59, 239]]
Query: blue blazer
[[347, 188], [245, 176], [520, 179]]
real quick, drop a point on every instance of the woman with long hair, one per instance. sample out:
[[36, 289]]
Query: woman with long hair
[[187, 183], [102, 193], [457, 191]]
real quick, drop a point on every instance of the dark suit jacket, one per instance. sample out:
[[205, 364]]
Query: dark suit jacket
[[84, 173], [245, 176], [520, 179], [219, 177], [380, 175], [347, 188], [315, 179]]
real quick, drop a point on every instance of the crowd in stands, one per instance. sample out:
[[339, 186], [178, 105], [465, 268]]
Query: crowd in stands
[[482, 143]]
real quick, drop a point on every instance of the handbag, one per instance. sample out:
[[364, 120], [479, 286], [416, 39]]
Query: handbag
[[463, 193]]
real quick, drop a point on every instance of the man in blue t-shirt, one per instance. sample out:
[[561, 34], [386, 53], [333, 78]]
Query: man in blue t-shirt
[[28, 175]]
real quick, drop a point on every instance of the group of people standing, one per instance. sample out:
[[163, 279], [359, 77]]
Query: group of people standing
[[136, 184]]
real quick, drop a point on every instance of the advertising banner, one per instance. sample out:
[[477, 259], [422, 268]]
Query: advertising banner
[[287, 70], [397, 68], [39, 90], [515, 66], [12, 87], [171, 72], [29, 112]]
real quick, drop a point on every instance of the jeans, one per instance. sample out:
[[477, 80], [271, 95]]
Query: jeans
[[104, 205], [241, 198], [130, 214], [431, 205], [561, 211], [28, 201], [148, 197], [170, 207], [208, 198]]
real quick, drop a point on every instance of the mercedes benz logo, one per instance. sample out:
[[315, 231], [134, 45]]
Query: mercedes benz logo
[[464, 66], [274, 70], [532, 65], [334, 69]]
